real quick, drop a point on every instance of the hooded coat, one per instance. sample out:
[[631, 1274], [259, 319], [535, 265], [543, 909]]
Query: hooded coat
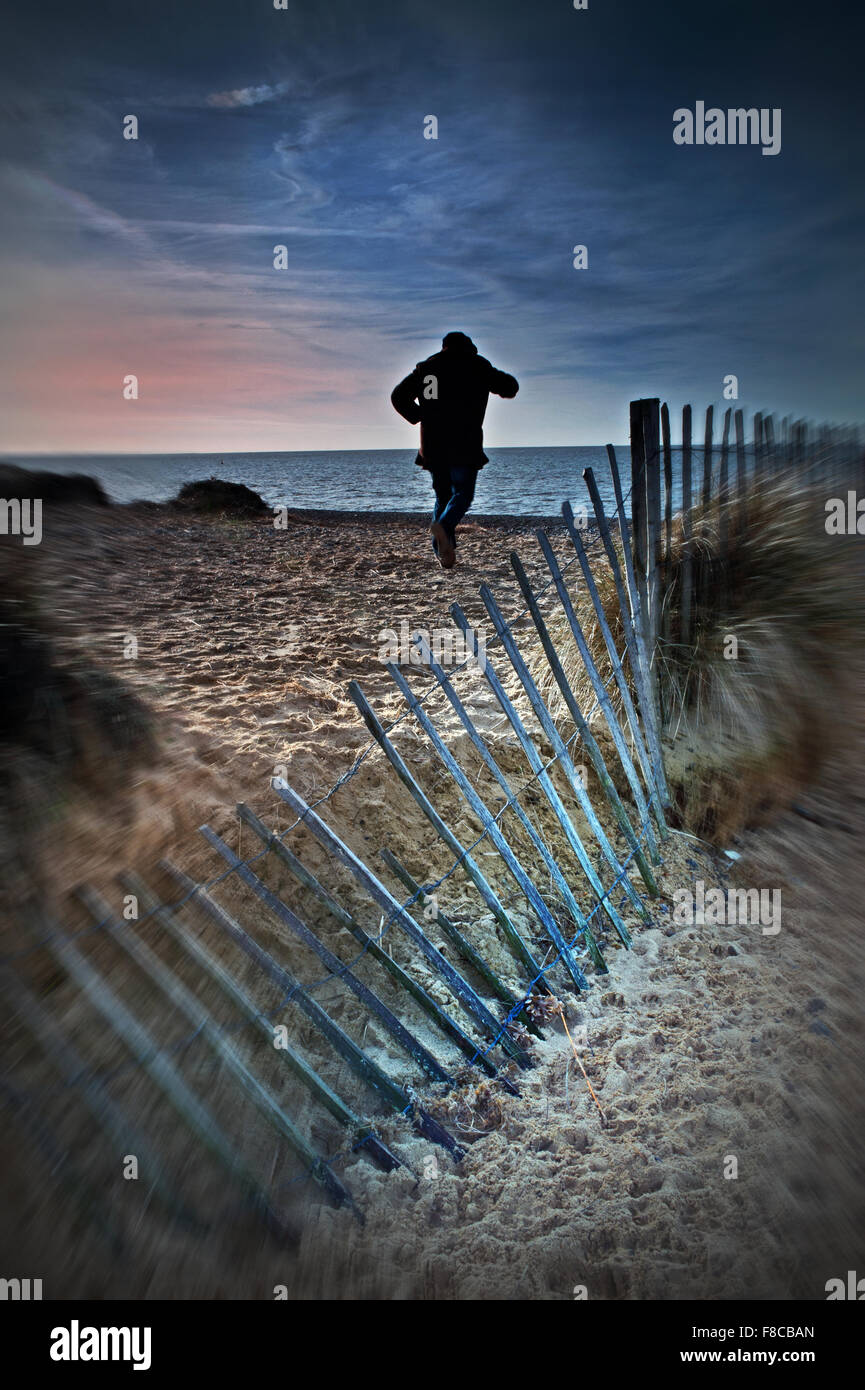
[[447, 395]]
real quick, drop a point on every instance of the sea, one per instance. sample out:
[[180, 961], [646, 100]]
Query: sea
[[515, 482]]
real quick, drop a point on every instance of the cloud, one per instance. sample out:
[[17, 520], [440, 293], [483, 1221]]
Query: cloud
[[247, 96]]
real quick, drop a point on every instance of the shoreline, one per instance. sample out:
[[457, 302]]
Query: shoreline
[[320, 516]]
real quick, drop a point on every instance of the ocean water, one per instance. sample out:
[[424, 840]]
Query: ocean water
[[516, 481]]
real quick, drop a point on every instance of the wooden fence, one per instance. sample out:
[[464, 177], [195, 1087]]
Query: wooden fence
[[710, 490], [177, 946]]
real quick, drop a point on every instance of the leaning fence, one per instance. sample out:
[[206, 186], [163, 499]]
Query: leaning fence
[[711, 486], [445, 1010]]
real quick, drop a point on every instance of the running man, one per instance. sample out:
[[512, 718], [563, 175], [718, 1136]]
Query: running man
[[447, 395]]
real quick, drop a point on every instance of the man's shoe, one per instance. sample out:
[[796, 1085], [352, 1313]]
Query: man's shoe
[[445, 548]]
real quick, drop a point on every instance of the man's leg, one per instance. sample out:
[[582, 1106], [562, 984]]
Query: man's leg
[[462, 492], [441, 481], [441, 541]]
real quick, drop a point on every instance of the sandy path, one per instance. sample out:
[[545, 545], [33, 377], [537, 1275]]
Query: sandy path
[[705, 1043]]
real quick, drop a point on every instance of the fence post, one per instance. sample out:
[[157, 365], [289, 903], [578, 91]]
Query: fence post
[[646, 512], [707, 460], [639, 533], [769, 433], [668, 516], [758, 446], [687, 502]]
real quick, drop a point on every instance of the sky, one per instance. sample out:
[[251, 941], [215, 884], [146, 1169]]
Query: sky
[[304, 127]]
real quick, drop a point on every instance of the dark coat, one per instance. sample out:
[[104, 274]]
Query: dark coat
[[450, 407]]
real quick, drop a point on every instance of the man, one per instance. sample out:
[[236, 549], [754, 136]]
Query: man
[[447, 395]]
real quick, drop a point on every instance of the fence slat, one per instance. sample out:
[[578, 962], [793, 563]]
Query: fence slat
[[639, 515], [650, 411], [563, 759], [166, 1077], [363, 1066], [186, 1003], [458, 986], [652, 769], [601, 695], [771, 451], [439, 1015], [723, 506], [109, 1116], [637, 655], [706, 498], [494, 832], [759, 461], [64, 1176], [668, 520], [687, 529], [338, 968], [588, 739], [366, 1136], [565, 762], [536, 839], [741, 471], [489, 896], [460, 942]]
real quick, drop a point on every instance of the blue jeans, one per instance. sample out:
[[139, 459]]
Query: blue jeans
[[454, 490]]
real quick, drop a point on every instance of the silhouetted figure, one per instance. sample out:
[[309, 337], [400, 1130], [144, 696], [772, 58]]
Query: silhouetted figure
[[447, 395]]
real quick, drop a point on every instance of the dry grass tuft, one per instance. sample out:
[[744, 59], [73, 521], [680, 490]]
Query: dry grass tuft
[[743, 733], [752, 702]]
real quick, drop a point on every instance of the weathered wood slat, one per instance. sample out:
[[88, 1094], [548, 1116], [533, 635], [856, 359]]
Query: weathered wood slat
[[363, 1066], [637, 655], [639, 516], [366, 1136], [723, 508], [459, 987], [652, 768], [537, 766], [741, 472], [653, 519], [703, 582], [185, 1002], [518, 946], [759, 459], [95, 1095], [493, 830], [637, 624], [76, 1187], [771, 455], [588, 739], [574, 779], [687, 529], [706, 496], [601, 695], [668, 520], [439, 1015], [338, 968], [152, 1059], [460, 943]]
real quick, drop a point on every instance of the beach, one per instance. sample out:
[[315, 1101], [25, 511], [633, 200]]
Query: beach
[[705, 1044]]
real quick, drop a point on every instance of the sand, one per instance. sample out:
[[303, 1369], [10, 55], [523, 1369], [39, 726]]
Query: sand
[[705, 1044]]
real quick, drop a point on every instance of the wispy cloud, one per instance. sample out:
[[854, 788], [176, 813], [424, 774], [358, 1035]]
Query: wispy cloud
[[247, 96]]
